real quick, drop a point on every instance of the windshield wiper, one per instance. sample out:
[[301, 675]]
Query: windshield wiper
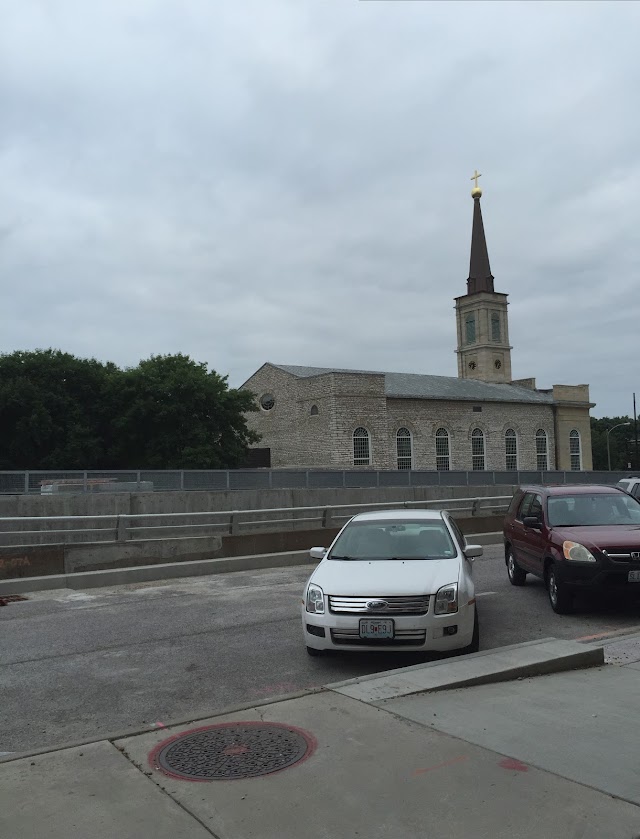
[[346, 558]]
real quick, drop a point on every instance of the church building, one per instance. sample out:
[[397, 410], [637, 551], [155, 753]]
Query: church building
[[481, 420]]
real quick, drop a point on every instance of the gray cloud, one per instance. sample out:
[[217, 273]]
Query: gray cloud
[[289, 181]]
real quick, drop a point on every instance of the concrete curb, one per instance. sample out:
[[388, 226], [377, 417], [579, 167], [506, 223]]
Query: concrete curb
[[151, 573], [147, 729], [532, 658], [583, 658], [176, 570]]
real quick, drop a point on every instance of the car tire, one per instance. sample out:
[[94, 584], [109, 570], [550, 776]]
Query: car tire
[[560, 597], [474, 646], [313, 652], [517, 576]]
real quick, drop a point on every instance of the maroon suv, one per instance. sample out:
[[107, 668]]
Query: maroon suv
[[574, 537]]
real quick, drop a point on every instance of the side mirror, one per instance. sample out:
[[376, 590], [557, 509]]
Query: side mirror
[[317, 553], [533, 522], [472, 551]]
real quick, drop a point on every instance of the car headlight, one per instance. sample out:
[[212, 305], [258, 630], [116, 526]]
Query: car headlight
[[577, 552], [447, 600], [315, 600]]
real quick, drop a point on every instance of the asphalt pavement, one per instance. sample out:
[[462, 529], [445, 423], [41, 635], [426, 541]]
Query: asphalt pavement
[[77, 665], [487, 761]]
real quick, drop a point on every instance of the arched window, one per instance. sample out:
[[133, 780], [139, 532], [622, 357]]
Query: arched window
[[542, 453], [495, 327], [470, 329], [314, 410], [575, 450], [361, 448], [477, 450], [443, 454], [403, 448], [511, 449]]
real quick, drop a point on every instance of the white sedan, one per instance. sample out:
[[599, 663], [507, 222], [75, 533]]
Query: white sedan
[[400, 580]]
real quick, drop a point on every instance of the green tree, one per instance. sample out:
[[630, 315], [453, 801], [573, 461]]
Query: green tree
[[61, 412], [172, 413], [621, 443], [51, 410]]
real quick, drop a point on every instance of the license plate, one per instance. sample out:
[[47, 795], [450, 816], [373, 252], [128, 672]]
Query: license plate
[[634, 576], [376, 629]]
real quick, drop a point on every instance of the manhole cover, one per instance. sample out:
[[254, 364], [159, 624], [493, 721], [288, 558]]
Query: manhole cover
[[231, 751]]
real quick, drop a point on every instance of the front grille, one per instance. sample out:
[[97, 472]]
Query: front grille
[[616, 555], [402, 638], [409, 605]]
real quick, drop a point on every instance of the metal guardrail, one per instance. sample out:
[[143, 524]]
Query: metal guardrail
[[48, 482], [19, 531]]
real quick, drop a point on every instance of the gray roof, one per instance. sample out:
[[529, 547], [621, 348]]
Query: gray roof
[[419, 386]]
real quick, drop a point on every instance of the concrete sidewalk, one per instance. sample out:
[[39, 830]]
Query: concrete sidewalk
[[524, 758]]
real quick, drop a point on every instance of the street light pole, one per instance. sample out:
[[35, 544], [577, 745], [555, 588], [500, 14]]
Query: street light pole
[[609, 430]]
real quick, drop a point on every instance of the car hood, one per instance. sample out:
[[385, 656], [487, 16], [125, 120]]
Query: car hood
[[623, 536], [377, 578]]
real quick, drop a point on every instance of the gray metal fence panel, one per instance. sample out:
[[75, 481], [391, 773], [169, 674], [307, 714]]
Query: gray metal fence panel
[[553, 477], [455, 479], [395, 478], [288, 479], [326, 479], [38, 480], [196, 479], [242, 479], [507, 478], [480, 478], [162, 480], [602, 477], [530, 478], [420, 478], [12, 483], [74, 481], [367, 478]]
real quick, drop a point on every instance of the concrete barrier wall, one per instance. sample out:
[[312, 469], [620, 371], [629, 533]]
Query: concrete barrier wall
[[88, 504], [67, 559]]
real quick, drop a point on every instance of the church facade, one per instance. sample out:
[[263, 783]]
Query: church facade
[[481, 420]]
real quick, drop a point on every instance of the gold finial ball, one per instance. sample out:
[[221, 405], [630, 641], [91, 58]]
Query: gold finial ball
[[476, 192]]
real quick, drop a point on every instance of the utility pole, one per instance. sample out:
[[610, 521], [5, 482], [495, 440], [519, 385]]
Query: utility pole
[[635, 430], [609, 430]]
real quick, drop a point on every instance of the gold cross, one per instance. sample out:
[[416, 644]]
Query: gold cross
[[475, 177]]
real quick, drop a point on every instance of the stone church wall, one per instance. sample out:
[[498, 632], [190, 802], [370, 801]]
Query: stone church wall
[[344, 401], [360, 401], [424, 416], [277, 427]]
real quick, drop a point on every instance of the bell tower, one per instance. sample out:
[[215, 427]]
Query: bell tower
[[482, 322]]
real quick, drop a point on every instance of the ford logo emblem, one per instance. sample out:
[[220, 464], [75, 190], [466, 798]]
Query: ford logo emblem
[[376, 605]]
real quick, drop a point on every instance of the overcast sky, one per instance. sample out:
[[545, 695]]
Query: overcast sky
[[289, 181]]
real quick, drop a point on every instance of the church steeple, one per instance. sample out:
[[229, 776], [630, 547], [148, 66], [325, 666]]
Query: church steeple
[[480, 276], [484, 351]]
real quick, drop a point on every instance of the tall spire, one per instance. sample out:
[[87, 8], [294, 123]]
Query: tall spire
[[480, 276]]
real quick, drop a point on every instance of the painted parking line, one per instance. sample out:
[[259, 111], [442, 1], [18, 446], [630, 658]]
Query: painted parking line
[[485, 593]]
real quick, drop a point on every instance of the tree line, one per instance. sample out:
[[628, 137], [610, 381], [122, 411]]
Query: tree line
[[622, 443], [58, 411]]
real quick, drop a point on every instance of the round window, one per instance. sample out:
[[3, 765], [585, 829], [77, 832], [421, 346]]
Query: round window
[[267, 402]]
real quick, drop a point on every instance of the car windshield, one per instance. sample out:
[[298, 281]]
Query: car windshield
[[394, 540], [597, 509]]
